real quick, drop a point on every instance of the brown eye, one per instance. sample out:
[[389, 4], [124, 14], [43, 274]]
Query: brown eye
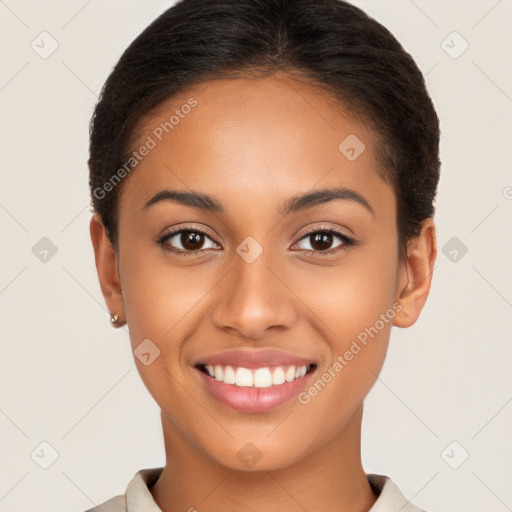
[[187, 241], [323, 241], [192, 240]]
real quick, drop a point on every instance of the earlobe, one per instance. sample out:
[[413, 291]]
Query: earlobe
[[415, 275], [107, 268]]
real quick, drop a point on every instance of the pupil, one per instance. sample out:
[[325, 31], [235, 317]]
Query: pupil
[[322, 241], [192, 240]]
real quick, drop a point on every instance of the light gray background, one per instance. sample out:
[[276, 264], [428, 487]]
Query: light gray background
[[68, 379]]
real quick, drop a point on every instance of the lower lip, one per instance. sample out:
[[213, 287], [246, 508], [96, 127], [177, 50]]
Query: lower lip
[[249, 399]]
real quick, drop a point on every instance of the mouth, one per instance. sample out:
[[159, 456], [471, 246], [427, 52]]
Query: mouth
[[263, 377], [254, 390]]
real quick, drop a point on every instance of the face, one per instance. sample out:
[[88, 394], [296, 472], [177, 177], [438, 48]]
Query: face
[[285, 258]]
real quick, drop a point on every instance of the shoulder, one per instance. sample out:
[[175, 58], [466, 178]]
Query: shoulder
[[115, 504], [137, 497]]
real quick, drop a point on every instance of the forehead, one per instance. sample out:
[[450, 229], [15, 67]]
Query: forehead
[[270, 137]]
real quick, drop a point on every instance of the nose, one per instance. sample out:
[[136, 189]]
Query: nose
[[253, 299]]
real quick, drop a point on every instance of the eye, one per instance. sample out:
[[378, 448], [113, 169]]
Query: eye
[[321, 241], [190, 241], [187, 241]]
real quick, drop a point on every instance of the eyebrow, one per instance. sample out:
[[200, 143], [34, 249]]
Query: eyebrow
[[300, 202]]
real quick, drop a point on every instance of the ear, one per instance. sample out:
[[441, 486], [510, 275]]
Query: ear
[[415, 275], [107, 268]]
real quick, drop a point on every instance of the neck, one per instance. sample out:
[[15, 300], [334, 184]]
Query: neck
[[329, 479]]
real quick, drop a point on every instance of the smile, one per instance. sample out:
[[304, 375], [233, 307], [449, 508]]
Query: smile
[[254, 390], [263, 377]]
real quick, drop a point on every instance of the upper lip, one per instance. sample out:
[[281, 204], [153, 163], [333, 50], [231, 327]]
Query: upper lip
[[253, 358]]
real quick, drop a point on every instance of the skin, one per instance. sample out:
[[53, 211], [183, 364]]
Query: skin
[[254, 144]]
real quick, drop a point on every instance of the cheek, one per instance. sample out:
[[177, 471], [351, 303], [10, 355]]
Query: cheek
[[354, 313], [359, 318], [159, 298], [158, 306], [162, 303], [351, 297]]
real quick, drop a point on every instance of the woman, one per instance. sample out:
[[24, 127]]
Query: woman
[[263, 175]]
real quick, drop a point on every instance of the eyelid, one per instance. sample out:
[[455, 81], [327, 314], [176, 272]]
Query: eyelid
[[324, 227], [178, 229]]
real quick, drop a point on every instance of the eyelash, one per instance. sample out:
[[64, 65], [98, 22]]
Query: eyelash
[[347, 241]]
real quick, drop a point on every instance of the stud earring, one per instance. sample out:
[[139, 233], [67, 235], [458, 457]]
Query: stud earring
[[114, 319]]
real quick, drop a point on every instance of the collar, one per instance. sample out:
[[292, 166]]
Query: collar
[[138, 498]]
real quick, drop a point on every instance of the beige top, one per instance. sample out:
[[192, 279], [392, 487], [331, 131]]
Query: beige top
[[138, 498]]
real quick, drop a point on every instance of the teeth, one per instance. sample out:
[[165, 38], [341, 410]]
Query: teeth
[[278, 376], [257, 378], [301, 371], [243, 377], [290, 374], [262, 378], [229, 375]]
